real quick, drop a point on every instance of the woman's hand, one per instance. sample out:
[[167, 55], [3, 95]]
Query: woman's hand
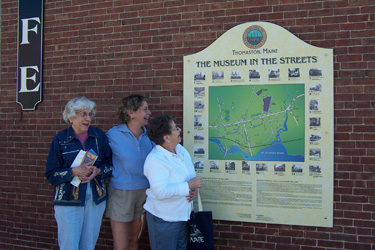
[[194, 183], [86, 172], [95, 171], [192, 194], [82, 170]]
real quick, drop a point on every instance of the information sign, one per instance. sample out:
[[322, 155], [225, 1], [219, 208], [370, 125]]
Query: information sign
[[258, 122]]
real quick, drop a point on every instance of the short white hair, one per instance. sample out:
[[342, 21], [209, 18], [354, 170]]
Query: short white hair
[[76, 104]]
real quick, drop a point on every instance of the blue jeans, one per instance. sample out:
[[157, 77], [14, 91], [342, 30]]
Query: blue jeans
[[166, 235], [78, 227]]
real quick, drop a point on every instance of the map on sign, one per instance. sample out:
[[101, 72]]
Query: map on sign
[[257, 122]]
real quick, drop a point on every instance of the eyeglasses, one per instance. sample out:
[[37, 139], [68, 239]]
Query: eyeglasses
[[176, 129], [85, 114]]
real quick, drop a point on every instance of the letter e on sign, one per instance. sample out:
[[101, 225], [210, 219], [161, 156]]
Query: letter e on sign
[[29, 58]]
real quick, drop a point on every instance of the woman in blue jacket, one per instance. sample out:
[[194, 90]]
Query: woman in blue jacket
[[79, 206]]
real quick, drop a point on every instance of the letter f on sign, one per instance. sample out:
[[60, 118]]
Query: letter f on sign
[[25, 29]]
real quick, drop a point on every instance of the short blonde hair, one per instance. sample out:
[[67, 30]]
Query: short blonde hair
[[76, 104], [133, 103]]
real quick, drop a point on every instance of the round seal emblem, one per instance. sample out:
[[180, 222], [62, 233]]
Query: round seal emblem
[[254, 37]]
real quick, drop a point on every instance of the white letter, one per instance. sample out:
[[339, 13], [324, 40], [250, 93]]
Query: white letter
[[25, 29], [24, 79]]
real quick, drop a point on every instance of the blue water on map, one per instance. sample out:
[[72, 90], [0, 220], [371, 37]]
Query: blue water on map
[[275, 152]]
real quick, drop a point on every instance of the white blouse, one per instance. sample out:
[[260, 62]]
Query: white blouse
[[168, 175]]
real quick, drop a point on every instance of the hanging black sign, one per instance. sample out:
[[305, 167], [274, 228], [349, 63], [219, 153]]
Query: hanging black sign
[[29, 61]]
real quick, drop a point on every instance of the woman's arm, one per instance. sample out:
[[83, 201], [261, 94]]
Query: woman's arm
[[103, 169], [158, 174], [106, 166], [55, 172]]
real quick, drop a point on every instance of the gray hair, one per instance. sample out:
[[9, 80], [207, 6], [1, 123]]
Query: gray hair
[[76, 104]]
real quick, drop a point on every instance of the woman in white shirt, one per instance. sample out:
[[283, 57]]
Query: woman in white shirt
[[173, 186]]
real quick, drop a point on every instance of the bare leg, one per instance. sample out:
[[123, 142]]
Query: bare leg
[[135, 228], [125, 234]]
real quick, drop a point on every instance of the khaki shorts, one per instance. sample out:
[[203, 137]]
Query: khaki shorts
[[125, 205]]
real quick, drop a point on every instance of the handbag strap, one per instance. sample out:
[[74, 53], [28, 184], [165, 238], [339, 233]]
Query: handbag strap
[[200, 207]]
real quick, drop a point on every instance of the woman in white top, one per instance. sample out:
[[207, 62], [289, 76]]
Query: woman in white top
[[173, 186]]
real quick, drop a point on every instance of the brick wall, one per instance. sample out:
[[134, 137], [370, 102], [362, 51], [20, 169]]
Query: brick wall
[[108, 49]]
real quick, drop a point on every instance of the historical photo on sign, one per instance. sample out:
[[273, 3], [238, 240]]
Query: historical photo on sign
[[214, 165], [218, 75], [315, 88], [235, 75], [261, 167], [199, 91], [198, 104], [200, 76], [198, 165], [199, 151], [274, 73], [315, 138], [315, 169], [197, 121], [314, 122], [198, 137], [254, 74], [315, 72], [245, 165], [314, 105], [293, 72], [315, 153], [279, 167], [230, 165], [297, 168]]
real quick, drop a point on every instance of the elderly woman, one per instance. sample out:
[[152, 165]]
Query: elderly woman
[[79, 208], [127, 187], [173, 185]]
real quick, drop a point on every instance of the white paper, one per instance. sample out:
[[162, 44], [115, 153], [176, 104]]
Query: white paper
[[77, 161]]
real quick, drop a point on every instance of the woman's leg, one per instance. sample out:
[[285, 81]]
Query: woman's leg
[[92, 222], [184, 236], [125, 234], [69, 226], [166, 235], [125, 209]]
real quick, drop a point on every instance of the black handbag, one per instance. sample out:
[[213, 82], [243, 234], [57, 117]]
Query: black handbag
[[201, 229]]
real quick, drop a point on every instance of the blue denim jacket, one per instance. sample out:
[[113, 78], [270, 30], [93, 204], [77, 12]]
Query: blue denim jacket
[[64, 148]]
